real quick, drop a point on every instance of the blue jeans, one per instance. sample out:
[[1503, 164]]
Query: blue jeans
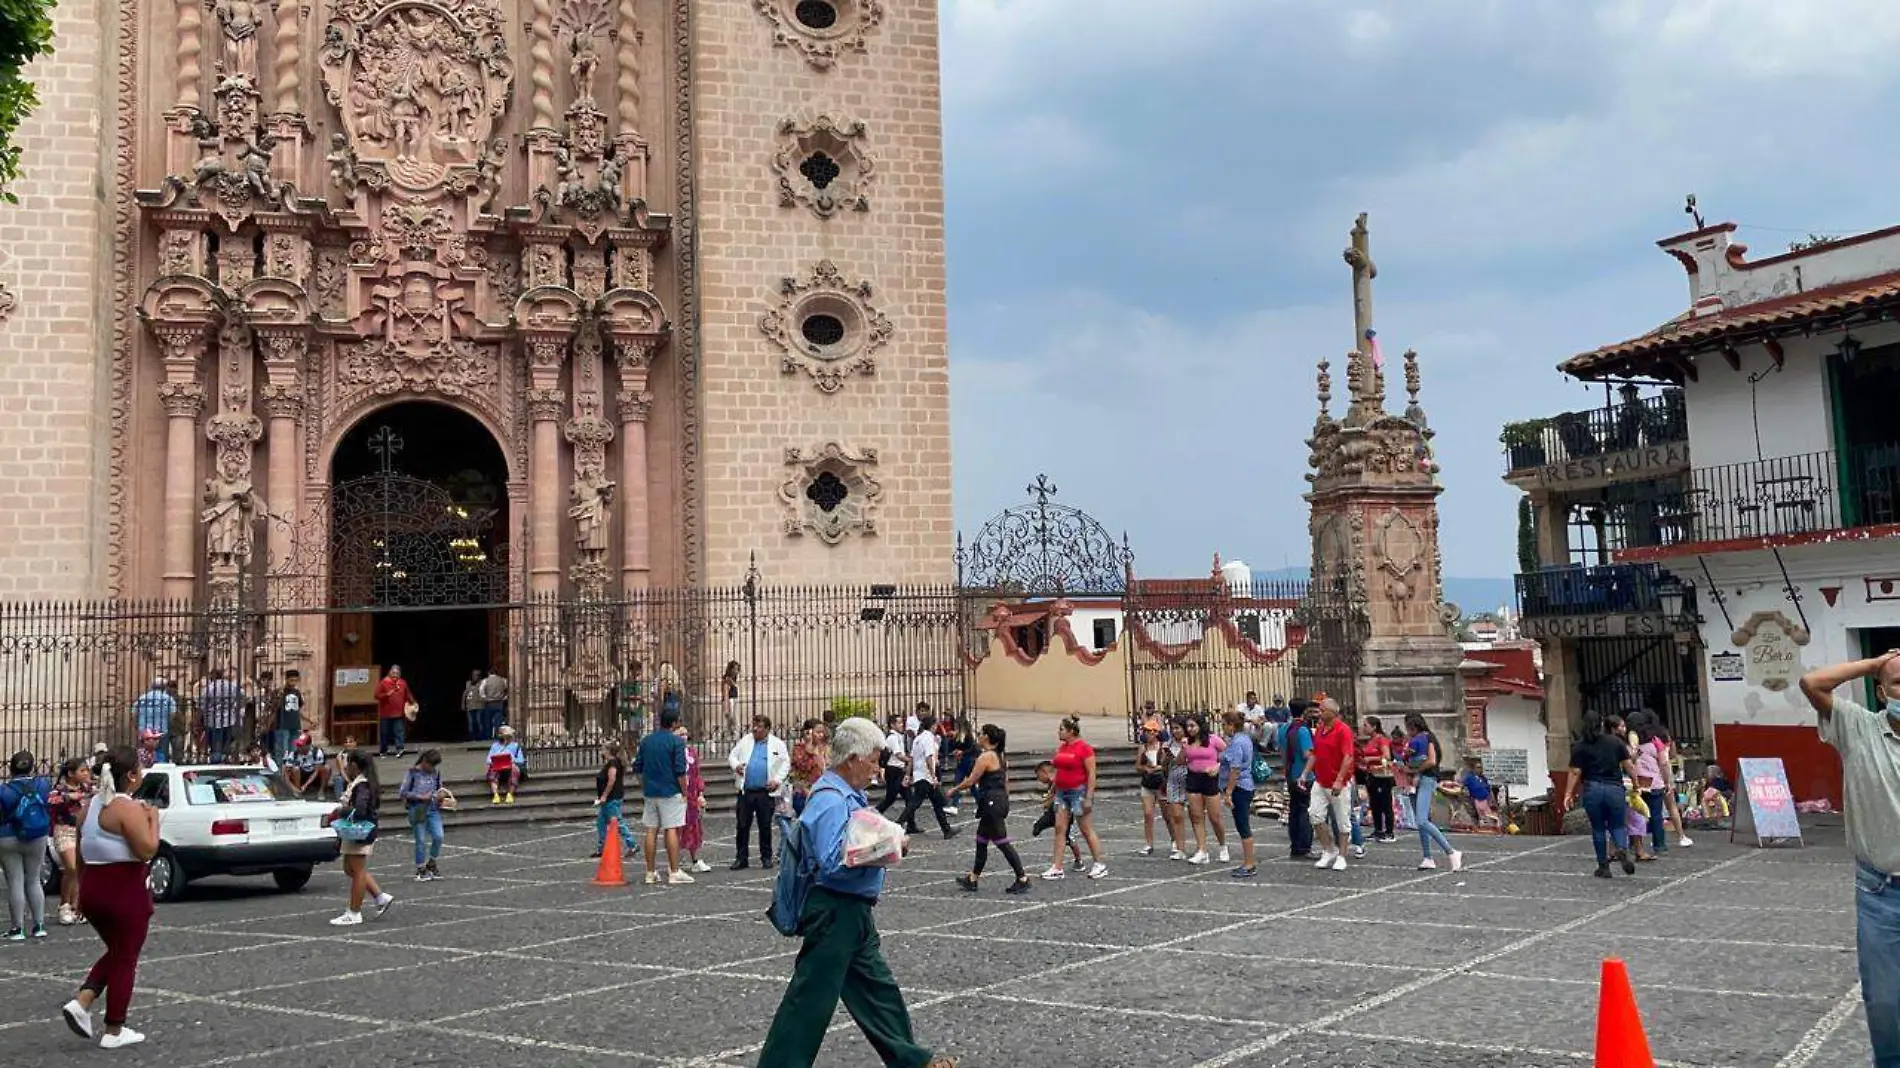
[[1658, 803], [476, 717], [280, 743], [425, 823], [493, 716], [389, 734], [1877, 910], [1608, 809], [1428, 832], [1358, 833], [1243, 813], [611, 812]]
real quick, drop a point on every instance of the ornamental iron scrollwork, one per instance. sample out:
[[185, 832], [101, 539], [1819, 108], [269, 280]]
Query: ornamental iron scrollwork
[[1045, 548]]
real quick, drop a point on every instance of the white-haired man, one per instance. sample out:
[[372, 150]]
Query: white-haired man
[[1869, 745], [841, 957]]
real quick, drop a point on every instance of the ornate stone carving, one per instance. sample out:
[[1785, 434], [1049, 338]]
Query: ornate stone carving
[[504, 277], [282, 401], [234, 432], [7, 302], [546, 353], [179, 251], [238, 22], [822, 164], [589, 434], [286, 256], [590, 506], [230, 517], [287, 65], [237, 262], [1399, 550], [190, 44], [329, 276], [635, 405], [421, 83], [826, 326], [831, 492], [627, 41], [452, 368], [546, 404], [182, 400], [822, 31], [541, 64]]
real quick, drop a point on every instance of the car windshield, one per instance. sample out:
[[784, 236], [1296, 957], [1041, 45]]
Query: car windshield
[[217, 786]]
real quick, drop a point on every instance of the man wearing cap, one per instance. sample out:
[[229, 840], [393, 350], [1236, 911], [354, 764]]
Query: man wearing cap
[[307, 770], [1869, 745], [153, 712]]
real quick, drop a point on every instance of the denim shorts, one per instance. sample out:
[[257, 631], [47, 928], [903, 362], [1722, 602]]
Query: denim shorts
[[1071, 799]]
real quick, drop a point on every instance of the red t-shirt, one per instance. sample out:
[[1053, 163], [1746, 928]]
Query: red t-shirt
[[1071, 772], [391, 696], [1332, 752], [1374, 753]]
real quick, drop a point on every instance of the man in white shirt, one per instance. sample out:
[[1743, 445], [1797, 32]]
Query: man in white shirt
[[923, 778], [896, 763], [760, 766], [1254, 714], [913, 722]]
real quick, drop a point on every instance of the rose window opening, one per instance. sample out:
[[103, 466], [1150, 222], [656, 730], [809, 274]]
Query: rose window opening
[[820, 170], [816, 14], [821, 331], [827, 491]]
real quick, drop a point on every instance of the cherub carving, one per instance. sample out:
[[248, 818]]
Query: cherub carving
[[342, 160]]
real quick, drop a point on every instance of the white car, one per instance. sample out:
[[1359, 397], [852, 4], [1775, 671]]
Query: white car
[[228, 819]]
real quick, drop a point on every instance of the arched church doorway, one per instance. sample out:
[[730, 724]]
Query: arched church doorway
[[418, 515]]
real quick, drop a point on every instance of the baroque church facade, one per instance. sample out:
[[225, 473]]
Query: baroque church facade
[[577, 297]]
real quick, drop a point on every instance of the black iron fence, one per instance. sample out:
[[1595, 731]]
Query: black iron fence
[[1623, 675], [1201, 646], [1636, 423], [1799, 494]]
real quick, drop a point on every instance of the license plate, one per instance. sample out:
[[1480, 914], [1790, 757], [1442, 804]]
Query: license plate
[[286, 826]]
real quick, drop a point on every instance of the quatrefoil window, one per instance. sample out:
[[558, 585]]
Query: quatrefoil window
[[827, 491], [823, 165], [820, 170], [830, 491]]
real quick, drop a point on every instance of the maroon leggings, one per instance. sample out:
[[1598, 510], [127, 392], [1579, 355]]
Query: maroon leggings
[[119, 907]]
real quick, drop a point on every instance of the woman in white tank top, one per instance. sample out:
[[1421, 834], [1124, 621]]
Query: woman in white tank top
[[116, 839]]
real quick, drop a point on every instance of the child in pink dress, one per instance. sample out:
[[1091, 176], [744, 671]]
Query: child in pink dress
[[694, 834]]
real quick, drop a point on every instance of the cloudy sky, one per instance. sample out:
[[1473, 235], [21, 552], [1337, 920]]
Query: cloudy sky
[[1148, 201]]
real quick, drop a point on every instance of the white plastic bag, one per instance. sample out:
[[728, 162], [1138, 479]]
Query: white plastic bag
[[871, 841]]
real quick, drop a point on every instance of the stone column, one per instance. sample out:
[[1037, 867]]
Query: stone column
[[283, 397], [183, 394], [547, 404], [634, 404]]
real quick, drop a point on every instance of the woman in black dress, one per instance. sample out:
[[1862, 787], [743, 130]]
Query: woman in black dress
[[989, 779]]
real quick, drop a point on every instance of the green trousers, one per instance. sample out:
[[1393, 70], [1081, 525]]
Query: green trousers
[[842, 958]]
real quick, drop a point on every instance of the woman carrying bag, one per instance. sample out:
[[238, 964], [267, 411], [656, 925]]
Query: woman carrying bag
[[355, 824]]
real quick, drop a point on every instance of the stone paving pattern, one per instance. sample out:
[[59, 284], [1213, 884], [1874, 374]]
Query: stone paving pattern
[[1741, 957]]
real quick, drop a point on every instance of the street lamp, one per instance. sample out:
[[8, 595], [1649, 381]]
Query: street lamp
[[1849, 348], [1670, 595]]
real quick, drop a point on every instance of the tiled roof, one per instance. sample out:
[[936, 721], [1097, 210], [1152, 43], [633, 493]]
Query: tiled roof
[[1686, 330]]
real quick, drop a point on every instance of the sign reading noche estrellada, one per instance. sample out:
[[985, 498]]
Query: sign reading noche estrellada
[[487, 227]]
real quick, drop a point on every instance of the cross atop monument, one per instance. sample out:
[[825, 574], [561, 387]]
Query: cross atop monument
[[1365, 377]]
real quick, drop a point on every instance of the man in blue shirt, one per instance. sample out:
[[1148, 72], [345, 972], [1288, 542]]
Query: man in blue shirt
[[1296, 741], [153, 712], [841, 957], [760, 766], [662, 762]]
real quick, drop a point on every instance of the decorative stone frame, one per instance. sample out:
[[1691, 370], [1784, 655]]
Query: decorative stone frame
[[841, 142], [824, 292], [822, 47], [856, 469]]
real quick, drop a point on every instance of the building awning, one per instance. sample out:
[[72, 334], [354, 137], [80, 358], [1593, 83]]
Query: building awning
[[1667, 352]]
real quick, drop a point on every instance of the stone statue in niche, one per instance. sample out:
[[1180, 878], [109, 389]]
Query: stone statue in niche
[[592, 494], [231, 508], [342, 163], [239, 19], [585, 62]]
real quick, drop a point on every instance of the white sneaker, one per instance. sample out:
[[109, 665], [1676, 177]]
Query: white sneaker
[[66, 916], [1198, 858], [1358, 852], [125, 1037], [1055, 873], [1177, 855], [1326, 859], [1339, 863], [1224, 858], [1428, 864], [383, 903], [1098, 870], [653, 878], [1685, 841], [701, 867], [949, 810], [348, 919], [78, 1017], [678, 878], [1145, 851], [1457, 861]]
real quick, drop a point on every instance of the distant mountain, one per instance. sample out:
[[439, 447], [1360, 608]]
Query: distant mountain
[[1473, 596]]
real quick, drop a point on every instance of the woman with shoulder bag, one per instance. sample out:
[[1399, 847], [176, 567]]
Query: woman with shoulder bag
[[1153, 781], [355, 824]]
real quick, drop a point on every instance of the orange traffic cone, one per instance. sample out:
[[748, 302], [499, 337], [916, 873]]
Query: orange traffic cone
[[1620, 1039], [608, 872]]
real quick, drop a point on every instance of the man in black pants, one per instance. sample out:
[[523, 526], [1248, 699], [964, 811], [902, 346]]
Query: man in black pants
[[923, 779], [1298, 748], [895, 761], [760, 764]]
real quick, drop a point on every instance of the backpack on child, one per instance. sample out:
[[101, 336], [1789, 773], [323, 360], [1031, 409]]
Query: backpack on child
[[27, 818], [797, 872]]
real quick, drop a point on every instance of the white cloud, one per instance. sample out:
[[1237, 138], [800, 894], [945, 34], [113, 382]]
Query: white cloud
[[1368, 27]]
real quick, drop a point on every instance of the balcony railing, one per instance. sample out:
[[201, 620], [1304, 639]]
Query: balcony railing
[[1575, 590], [1633, 424], [1801, 494]]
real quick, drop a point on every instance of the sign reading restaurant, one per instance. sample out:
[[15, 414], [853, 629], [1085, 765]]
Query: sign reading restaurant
[[1608, 625], [1651, 460]]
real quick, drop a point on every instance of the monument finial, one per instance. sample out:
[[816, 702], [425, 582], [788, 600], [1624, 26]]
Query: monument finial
[[1325, 390], [1413, 410]]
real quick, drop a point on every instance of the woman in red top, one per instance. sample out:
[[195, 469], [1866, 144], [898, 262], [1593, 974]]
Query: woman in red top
[[1375, 769], [392, 709], [1075, 796]]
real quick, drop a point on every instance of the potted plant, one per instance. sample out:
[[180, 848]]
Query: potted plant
[[1524, 443]]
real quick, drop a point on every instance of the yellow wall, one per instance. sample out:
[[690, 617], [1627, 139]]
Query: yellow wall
[[1060, 680]]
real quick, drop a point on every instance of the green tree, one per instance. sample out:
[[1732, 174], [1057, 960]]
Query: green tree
[[26, 33], [1527, 563]]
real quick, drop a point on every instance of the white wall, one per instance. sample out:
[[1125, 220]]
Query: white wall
[[1083, 624], [1751, 582], [1512, 722], [1791, 404]]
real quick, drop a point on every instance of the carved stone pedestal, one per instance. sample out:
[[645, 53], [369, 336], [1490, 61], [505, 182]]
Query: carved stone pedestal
[[1404, 675]]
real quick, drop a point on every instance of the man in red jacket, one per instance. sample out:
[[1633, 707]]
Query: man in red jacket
[[392, 709], [1330, 776]]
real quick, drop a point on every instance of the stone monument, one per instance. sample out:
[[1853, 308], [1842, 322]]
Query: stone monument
[[1379, 628]]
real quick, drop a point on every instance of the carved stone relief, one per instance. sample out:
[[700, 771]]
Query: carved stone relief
[[7, 302], [823, 30], [827, 327], [831, 492], [823, 165], [1399, 551]]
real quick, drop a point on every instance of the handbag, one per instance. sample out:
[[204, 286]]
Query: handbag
[[352, 827]]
